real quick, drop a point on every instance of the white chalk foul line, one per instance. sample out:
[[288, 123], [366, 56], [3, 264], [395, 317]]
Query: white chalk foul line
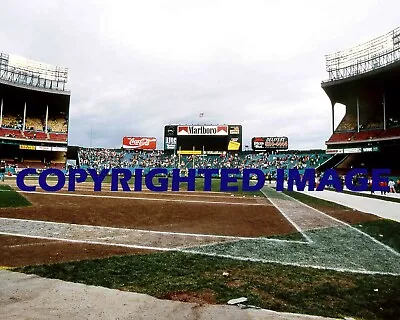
[[31, 244], [188, 250], [287, 263], [198, 235], [127, 229], [89, 242], [145, 199], [347, 225]]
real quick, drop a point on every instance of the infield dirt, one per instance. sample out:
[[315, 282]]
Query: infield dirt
[[187, 212]]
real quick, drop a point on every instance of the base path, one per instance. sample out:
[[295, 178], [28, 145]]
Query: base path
[[139, 239], [32, 297]]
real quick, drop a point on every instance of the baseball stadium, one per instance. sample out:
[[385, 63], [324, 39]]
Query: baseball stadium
[[326, 254]]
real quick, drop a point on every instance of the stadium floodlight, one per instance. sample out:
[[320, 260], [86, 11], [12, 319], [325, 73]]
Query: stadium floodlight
[[371, 55], [22, 71]]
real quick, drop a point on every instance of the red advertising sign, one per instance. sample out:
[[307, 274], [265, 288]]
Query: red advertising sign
[[139, 143]]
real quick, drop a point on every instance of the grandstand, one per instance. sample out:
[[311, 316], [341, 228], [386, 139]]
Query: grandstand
[[366, 79], [102, 158], [34, 109]]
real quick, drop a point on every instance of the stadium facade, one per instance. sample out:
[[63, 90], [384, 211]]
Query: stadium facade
[[34, 113], [366, 79]]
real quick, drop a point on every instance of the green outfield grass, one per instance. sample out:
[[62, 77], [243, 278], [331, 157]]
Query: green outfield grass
[[386, 231], [10, 198]]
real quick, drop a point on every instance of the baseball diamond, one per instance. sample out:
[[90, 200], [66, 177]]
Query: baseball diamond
[[217, 211]]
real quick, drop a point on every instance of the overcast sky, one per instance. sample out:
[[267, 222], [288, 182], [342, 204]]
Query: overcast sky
[[135, 66]]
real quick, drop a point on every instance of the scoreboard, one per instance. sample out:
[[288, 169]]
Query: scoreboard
[[202, 138]]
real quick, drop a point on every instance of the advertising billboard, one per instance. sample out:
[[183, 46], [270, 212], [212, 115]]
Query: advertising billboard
[[139, 143], [266, 143], [170, 143], [203, 130], [204, 138]]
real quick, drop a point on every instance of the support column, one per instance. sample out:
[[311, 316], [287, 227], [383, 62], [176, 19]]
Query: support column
[[333, 117], [193, 156], [47, 117], [179, 157], [384, 111], [358, 115], [23, 126], [1, 113]]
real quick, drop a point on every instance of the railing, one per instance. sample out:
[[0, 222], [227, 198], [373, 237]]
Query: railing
[[33, 74], [372, 55]]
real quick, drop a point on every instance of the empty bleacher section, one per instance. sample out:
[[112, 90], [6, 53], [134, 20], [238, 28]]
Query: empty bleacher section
[[12, 122], [33, 124], [34, 127], [11, 133], [7, 132], [37, 135], [57, 125], [375, 122], [58, 137], [371, 119], [348, 123], [32, 135]]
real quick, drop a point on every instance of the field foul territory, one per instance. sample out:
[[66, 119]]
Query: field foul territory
[[249, 180]]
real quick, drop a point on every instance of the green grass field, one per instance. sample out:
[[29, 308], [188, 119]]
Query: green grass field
[[271, 286], [10, 198]]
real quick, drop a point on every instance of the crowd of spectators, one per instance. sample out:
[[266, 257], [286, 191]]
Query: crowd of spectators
[[10, 122], [32, 124], [101, 158]]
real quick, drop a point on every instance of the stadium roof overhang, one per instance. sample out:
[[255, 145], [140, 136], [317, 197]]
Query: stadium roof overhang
[[340, 91], [34, 88], [18, 92]]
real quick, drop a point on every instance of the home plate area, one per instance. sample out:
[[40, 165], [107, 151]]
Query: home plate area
[[215, 224]]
